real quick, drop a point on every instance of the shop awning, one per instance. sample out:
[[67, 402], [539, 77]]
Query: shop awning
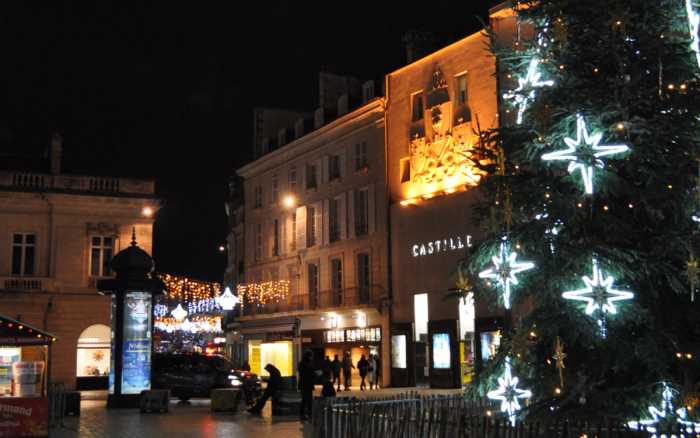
[[273, 325], [17, 333]]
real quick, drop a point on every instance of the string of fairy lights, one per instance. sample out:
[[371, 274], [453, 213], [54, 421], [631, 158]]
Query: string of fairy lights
[[268, 292]]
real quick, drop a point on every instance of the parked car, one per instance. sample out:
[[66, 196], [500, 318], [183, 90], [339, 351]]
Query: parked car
[[195, 375]]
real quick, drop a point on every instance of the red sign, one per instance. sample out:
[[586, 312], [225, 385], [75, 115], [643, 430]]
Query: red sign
[[26, 417]]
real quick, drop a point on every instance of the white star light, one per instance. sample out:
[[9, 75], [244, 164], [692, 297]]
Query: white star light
[[694, 26], [584, 153], [509, 393], [525, 93], [504, 270], [179, 313], [227, 300], [599, 293], [659, 415]]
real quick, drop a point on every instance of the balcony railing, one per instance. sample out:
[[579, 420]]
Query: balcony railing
[[23, 284], [93, 184], [324, 300]]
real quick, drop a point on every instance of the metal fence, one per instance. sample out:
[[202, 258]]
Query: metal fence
[[411, 415]]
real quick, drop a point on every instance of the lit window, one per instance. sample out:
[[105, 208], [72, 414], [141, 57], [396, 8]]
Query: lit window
[[462, 95]]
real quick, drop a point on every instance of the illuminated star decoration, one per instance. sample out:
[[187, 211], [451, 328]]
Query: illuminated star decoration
[[526, 90], [694, 26], [179, 313], [665, 417], [585, 152], [509, 393], [227, 300], [598, 293], [504, 269]]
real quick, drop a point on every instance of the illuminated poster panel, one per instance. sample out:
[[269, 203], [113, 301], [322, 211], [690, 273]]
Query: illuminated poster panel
[[441, 351], [136, 369], [398, 351]]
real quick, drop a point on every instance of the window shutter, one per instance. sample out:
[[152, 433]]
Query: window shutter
[[301, 227], [371, 214], [350, 224], [343, 217], [326, 224]]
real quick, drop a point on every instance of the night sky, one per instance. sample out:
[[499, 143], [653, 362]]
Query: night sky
[[165, 90]]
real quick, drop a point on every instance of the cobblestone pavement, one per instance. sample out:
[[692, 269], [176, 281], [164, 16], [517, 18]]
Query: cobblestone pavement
[[195, 420]]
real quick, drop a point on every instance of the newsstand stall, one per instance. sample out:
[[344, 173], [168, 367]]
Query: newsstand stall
[[25, 355]]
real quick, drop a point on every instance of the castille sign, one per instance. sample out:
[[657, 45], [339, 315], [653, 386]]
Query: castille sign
[[441, 245]]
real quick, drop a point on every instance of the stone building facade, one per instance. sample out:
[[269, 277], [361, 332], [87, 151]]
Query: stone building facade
[[58, 233], [315, 257]]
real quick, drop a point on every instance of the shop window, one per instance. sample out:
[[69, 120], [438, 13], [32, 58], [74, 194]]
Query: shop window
[[466, 316], [8, 356], [93, 357], [420, 309], [363, 277], [278, 354], [23, 254], [101, 252], [337, 281]]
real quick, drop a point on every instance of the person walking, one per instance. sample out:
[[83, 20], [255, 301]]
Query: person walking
[[371, 371], [347, 369], [335, 369], [363, 367], [327, 372], [274, 384], [307, 375]]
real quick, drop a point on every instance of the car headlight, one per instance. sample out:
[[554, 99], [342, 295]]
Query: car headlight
[[234, 380]]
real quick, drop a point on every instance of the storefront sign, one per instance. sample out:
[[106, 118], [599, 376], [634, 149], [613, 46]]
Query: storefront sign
[[136, 369], [441, 245], [24, 417], [367, 334]]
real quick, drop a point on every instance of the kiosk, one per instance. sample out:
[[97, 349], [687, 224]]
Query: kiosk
[[25, 356]]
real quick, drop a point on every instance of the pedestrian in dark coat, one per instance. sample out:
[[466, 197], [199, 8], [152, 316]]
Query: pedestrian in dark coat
[[347, 369], [335, 369], [363, 367], [274, 384], [307, 375]]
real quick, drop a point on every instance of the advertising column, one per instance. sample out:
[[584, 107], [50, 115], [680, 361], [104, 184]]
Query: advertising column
[[136, 347]]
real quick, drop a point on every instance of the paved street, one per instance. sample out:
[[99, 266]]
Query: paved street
[[195, 420]]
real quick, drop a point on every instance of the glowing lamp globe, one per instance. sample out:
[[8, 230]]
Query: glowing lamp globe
[[227, 300]]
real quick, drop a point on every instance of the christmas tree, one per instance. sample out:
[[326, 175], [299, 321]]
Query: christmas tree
[[592, 200]]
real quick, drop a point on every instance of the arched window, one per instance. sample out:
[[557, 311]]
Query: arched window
[[94, 351]]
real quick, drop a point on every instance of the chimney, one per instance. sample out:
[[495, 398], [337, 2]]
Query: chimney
[[56, 152]]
